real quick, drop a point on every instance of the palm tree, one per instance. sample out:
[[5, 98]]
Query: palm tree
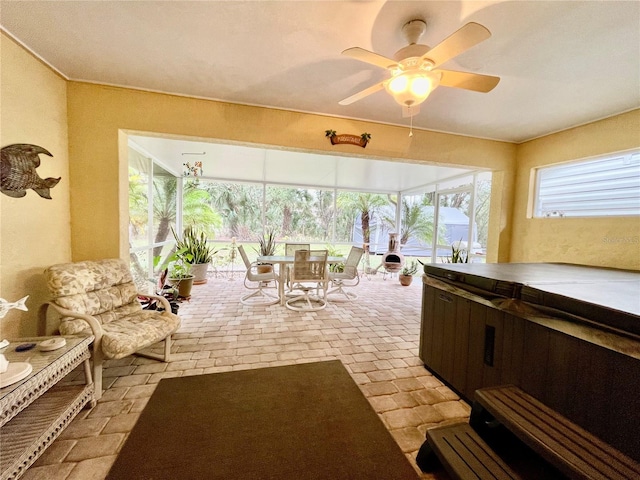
[[289, 208], [196, 209], [416, 222], [238, 205], [365, 204], [164, 208], [324, 213]]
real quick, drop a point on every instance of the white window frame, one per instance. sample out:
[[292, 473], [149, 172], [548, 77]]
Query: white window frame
[[606, 186]]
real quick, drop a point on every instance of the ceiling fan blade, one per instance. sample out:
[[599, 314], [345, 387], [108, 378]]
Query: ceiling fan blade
[[369, 57], [357, 96], [468, 81], [459, 41]]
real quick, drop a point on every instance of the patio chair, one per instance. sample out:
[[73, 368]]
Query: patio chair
[[349, 277], [260, 283], [100, 298], [290, 251], [309, 273]]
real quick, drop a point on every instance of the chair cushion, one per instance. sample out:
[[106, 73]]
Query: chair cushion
[[102, 288], [76, 326], [128, 334], [105, 290], [67, 279]]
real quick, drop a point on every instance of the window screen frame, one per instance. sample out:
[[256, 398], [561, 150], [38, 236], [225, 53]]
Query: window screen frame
[[630, 160]]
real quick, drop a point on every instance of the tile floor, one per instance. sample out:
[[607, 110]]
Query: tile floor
[[376, 338]]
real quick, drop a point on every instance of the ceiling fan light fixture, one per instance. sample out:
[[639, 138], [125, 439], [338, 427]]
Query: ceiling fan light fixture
[[421, 86], [414, 70], [398, 85], [412, 87]]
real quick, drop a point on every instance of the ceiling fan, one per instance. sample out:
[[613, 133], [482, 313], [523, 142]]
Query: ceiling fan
[[414, 68]]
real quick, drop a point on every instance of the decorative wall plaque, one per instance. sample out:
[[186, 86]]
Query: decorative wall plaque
[[347, 138], [18, 163]]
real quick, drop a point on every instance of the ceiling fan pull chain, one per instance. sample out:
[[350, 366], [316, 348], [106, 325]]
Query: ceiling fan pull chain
[[411, 127]]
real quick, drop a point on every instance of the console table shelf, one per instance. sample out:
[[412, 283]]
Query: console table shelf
[[36, 410]]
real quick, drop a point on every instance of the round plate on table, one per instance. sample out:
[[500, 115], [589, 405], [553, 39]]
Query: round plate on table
[[52, 344], [16, 372]]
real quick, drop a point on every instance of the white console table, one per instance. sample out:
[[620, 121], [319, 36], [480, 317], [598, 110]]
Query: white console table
[[35, 410]]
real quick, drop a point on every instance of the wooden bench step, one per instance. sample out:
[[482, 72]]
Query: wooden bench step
[[463, 454], [571, 449]]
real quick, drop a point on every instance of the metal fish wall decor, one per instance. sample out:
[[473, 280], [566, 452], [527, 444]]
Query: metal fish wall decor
[[18, 165]]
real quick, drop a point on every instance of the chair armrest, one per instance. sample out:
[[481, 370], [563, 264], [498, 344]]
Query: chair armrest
[[95, 325], [165, 303], [256, 264]]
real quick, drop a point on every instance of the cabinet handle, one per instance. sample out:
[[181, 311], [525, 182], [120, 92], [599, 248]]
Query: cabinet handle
[[446, 298]]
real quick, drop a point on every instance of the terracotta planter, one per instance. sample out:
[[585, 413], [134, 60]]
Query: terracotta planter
[[199, 271], [405, 280], [265, 268]]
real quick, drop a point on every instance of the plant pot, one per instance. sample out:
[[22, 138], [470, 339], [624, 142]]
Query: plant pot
[[184, 285], [405, 280], [199, 271], [265, 268]]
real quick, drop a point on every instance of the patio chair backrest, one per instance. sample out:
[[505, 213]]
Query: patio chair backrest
[[101, 288], [245, 259], [309, 265], [290, 248], [353, 260]]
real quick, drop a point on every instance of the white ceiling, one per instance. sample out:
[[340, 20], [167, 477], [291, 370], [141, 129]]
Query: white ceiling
[[561, 63]]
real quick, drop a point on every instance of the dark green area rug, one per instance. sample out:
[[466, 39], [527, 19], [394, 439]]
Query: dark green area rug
[[297, 422]]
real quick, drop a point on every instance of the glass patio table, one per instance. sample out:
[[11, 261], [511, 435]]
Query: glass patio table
[[282, 261]]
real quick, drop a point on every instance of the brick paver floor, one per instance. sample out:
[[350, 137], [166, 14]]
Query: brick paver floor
[[376, 337]]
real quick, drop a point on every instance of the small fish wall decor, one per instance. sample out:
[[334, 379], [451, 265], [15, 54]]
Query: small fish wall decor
[[18, 163]]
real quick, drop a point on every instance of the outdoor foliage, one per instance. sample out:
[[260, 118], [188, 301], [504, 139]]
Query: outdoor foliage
[[288, 213], [366, 205], [267, 244], [193, 247], [458, 254], [416, 220], [410, 268]]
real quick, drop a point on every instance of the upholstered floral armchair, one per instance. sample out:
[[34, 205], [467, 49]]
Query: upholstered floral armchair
[[99, 298]]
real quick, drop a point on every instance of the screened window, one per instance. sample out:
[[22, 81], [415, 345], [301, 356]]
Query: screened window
[[606, 186], [153, 196]]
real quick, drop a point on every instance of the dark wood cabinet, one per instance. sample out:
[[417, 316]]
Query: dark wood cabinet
[[589, 375], [469, 344]]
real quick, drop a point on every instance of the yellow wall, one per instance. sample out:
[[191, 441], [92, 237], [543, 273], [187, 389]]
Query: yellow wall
[[608, 241], [97, 113], [34, 232]]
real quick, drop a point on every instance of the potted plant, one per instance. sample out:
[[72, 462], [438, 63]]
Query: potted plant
[[195, 250], [267, 248], [458, 253], [333, 252], [408, 271], [180, 276]]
